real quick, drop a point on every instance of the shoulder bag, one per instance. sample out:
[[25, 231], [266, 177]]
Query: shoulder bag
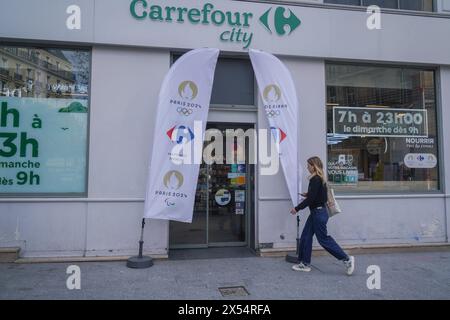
[[333, 207]]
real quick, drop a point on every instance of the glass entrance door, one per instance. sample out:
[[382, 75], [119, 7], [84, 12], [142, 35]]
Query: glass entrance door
[[222, 203]]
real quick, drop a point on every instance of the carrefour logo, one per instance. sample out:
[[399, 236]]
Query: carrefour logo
[[280, 21], [180, 134], [278, 134]]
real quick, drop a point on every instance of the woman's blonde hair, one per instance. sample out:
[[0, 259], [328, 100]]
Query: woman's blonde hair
[[317, 164]]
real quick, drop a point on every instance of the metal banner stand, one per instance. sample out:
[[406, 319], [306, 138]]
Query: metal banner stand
[[291, 257], [140, 261]]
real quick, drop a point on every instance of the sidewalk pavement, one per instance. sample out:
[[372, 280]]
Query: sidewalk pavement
[[403, 276]]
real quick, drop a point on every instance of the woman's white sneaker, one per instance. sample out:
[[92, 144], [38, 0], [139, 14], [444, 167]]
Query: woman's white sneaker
[[301, 267], [350, 265]]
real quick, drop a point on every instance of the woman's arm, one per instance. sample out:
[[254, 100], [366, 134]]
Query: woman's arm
[[313, 190]]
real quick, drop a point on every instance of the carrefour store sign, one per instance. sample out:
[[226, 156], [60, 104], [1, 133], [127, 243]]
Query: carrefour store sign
[[306, 29], [232, 26]]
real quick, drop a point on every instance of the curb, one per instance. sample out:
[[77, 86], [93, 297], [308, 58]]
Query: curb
[[361, 250], [10, 255], [82, 259]]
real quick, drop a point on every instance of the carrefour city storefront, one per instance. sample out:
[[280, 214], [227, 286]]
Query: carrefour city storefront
[[79, 85]]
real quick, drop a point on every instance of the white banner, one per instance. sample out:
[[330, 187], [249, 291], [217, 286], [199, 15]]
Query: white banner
[[183, 102], [281, 107]]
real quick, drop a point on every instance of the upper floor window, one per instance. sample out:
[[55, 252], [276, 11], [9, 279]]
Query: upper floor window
[[417, 5]]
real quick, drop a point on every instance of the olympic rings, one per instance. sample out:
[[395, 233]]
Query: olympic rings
[[273, 113], [185, 111]]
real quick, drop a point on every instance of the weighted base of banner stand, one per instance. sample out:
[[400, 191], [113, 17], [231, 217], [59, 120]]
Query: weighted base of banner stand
[[139, 262]]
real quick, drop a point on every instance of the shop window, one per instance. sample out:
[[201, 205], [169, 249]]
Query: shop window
[[43, 126], [382, 129]]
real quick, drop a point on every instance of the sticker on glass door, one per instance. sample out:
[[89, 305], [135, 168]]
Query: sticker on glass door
[[223, 197]]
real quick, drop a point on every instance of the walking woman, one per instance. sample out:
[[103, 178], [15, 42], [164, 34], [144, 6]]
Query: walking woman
[[316, 200]]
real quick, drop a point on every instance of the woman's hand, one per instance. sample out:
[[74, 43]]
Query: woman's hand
[[293, 211], [304, 195]]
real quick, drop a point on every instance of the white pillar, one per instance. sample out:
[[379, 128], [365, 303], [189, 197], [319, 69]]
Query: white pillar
[[445, 113]]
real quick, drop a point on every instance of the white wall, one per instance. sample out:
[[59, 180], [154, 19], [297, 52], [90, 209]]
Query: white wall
[[445, 120], [125, 88], [44, 229]]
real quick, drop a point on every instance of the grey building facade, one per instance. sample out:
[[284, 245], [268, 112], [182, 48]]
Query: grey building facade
[[82, 194]]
